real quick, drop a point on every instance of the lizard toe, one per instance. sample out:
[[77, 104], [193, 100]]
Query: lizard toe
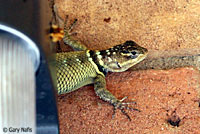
[[122, 106]]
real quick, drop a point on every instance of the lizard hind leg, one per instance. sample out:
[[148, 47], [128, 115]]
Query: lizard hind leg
[[104, 94]]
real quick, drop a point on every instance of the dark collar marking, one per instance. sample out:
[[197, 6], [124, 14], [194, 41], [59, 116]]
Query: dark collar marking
[[94, 58]]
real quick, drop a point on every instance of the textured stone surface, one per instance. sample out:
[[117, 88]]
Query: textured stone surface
[[152, 24], [162, 96]]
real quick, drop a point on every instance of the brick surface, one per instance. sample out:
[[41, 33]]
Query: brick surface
[[152, 24], [160, 95]]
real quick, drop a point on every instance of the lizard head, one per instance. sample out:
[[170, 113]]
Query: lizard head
[[121, 57]]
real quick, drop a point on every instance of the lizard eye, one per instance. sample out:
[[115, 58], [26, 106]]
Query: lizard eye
[[130, 53], [133, 53]]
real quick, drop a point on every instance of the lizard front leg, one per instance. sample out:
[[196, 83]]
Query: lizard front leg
[[104, 94], [76, 45]]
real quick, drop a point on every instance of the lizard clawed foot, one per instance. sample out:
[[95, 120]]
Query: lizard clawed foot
[[67, 30], [122, 106]]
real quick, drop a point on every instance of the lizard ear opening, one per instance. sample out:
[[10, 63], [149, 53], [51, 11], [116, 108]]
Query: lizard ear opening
[[113, 66]]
